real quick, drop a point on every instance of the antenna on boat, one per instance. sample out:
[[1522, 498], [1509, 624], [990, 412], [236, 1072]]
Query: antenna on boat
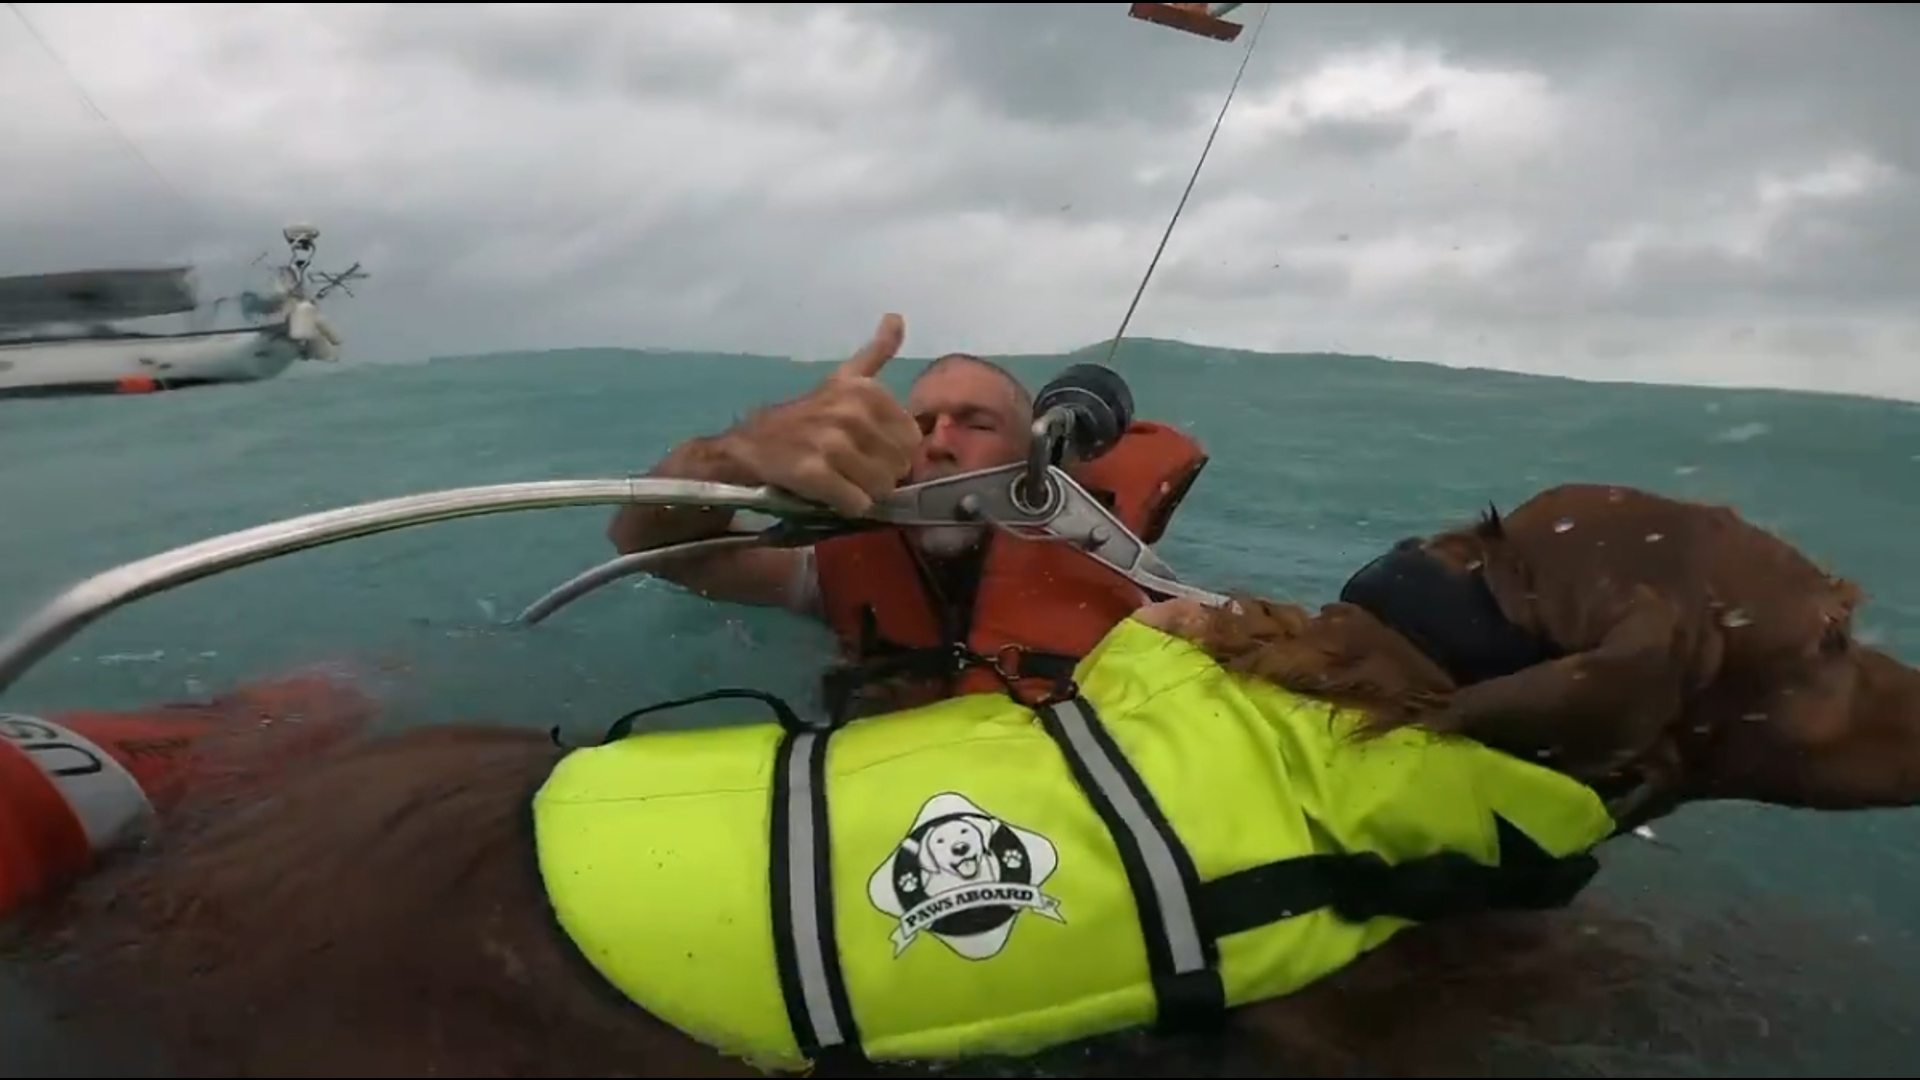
[[301, 238], [330, 282]]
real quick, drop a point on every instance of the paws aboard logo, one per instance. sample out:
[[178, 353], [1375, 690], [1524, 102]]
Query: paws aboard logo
[[964, 876]]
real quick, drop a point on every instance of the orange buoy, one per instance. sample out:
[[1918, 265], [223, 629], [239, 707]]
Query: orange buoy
[[82, 784], [136, 384]]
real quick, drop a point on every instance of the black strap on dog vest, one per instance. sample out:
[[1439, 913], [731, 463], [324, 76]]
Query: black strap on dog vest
[[1183, 960], [1183, 919], [1363, 886], [806, 948]]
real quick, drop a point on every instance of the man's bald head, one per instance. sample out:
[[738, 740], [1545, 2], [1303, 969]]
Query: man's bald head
[[973, 414], [1022, 399]]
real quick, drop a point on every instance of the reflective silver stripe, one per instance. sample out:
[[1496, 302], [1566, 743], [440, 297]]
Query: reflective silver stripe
[[1176, 912], [803, 907]]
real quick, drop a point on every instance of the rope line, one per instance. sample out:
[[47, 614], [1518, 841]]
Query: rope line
[[1252, 40], [93, 106]]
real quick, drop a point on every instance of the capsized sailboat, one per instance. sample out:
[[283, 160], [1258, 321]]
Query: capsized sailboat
[[58, 332]]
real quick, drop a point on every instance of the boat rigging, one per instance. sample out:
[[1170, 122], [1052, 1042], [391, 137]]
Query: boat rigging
[[57, 332]]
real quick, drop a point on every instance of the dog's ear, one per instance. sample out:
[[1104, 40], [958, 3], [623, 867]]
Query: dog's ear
[[910, 845], [928, 859]]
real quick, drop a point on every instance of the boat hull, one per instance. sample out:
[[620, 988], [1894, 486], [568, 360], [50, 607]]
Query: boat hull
[[124, 364]]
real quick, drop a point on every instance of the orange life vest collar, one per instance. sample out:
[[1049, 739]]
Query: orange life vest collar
[[1024, 616]]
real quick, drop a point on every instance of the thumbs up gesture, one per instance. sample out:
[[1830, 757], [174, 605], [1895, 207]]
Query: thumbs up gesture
[[845, 443]]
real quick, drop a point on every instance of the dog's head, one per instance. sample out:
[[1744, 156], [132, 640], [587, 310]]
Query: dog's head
[[1683, 653], [958, 848], [1702, 657]]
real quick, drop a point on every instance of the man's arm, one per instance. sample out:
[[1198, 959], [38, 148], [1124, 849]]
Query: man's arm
[[770, 577]]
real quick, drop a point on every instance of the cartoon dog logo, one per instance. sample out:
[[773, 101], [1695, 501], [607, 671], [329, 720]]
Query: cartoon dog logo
[[964, 876]]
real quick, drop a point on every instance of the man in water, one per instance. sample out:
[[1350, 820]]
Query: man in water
[[846, 443], [921, 612]]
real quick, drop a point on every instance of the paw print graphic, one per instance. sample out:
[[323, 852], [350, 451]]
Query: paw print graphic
[[1014, 860], [908, 882]]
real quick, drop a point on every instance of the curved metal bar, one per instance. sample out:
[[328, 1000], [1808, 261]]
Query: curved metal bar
[[626, 566], [73, 610]]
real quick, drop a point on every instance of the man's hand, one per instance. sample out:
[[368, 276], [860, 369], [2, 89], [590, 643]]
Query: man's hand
[[846, 443], [1182, 618]]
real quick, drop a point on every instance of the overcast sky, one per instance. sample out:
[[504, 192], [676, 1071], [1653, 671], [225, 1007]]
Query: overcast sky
[[1720, 193]]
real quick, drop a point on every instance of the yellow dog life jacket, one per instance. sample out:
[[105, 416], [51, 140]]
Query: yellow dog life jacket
[[977, 877]]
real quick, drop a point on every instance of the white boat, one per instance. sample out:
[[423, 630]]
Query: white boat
[[58, 338]]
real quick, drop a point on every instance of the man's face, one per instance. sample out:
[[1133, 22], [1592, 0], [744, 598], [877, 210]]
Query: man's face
[[970, 418]]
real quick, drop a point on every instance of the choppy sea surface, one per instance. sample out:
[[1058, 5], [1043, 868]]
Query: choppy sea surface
[[1318, 463]]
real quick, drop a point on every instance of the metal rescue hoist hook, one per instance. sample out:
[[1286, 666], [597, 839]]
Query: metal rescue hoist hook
[[1080, 415]]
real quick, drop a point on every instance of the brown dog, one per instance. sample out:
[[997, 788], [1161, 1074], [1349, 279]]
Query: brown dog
[[380, 915], [1688, 655]]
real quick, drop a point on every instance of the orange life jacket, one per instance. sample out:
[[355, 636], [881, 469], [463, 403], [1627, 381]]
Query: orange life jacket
[[1023, 620]]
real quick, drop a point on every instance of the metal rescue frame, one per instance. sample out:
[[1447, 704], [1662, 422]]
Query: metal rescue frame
[[1031, 498]]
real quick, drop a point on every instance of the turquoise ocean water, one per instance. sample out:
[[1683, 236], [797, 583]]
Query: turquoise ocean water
[[1319, 462]]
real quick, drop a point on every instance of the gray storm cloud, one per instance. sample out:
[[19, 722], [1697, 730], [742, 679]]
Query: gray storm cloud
[[1720, 193]]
